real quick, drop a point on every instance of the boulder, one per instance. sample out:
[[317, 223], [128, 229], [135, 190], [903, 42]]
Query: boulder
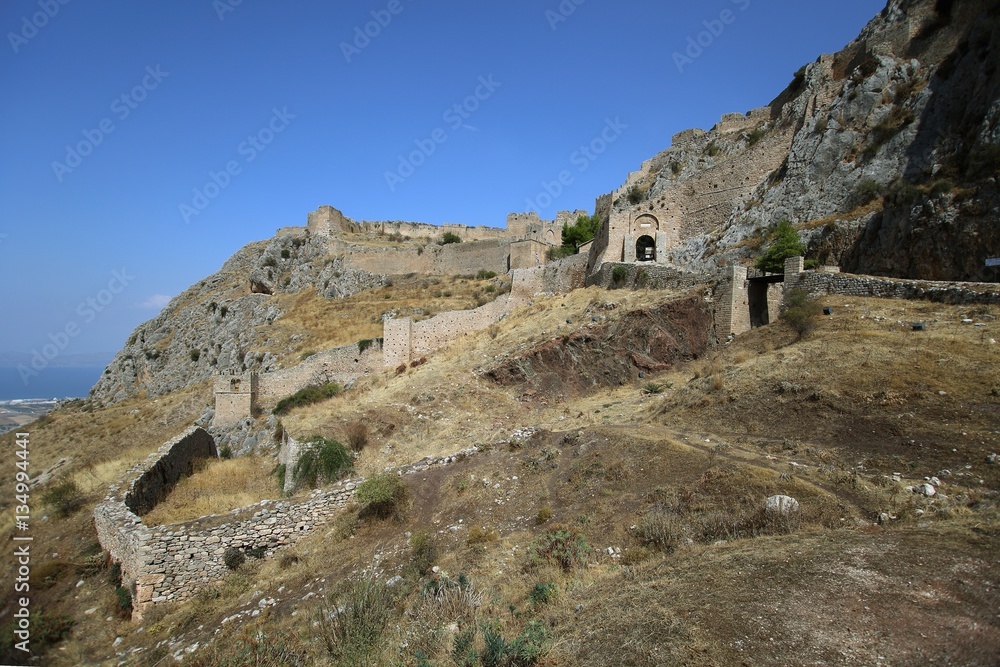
[[783, 505]]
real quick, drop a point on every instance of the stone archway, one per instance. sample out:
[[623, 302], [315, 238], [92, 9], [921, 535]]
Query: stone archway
[[645, 249]]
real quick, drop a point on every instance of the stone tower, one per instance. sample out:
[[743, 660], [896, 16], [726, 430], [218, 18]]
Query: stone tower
[[235, 397]]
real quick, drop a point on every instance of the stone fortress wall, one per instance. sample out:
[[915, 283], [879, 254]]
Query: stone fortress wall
[[734, 297], [173, 562]]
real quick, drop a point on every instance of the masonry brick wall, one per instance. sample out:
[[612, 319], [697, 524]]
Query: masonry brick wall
[[342, 365], [890, 288], [119, 528], [164, 563]]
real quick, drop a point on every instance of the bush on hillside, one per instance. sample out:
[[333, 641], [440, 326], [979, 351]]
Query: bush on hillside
[[311, 394], [323, 460], [382, 495]]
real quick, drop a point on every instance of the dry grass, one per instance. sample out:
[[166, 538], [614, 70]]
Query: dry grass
[[318, 323], [217, 486]]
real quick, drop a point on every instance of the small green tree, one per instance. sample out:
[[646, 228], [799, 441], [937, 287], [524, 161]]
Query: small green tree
[[800, 311], [784, 243], [450, 237], [584, 229]]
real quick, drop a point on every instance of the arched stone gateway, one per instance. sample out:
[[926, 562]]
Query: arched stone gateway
[[645, 249]]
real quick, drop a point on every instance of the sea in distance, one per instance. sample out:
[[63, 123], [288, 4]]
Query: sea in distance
[[53, 382]]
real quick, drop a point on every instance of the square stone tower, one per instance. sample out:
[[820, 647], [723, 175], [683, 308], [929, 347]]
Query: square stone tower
[[235, 397]]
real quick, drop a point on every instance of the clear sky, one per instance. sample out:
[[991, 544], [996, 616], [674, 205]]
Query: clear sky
[[155, 138]]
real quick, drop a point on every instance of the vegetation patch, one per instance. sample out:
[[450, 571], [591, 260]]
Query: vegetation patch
[[322, 460], [306, 396]]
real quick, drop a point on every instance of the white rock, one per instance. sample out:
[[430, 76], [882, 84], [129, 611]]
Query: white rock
[[781, 505], [925, 489]]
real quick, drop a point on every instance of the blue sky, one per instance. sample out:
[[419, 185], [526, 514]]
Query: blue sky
[[155, 138]]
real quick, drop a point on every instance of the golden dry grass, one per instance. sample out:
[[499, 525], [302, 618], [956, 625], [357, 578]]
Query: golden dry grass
[[318, 323], [218, 485]]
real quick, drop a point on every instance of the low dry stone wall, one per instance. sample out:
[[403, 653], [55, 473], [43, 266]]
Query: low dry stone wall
[[119, 528], [174, 562], [889, 288]]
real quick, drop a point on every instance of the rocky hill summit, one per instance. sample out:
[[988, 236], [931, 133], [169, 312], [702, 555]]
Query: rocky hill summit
[[884, 155], [219, 323]]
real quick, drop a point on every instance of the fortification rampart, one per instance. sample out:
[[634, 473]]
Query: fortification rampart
[[846, 284], [174, 562], [343, 365], [119, 528]]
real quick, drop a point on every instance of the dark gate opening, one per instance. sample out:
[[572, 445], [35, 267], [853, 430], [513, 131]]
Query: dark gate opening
[[758, 304], [645, 249]]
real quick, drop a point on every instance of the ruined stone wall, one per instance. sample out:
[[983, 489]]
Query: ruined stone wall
[[119, 528], [342, 365], [527, 254], [441, 329], [397, 341], [646, 275], [732, 302], [447, 260], [174, 562], [846, 284]]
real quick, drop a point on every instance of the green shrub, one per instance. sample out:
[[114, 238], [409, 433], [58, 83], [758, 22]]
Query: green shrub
[[676, 167], [868, 190], [307, 396], [556, 253], [655, 388], [124, 602], [352, 625], [233, 558], [270, 262], [365, 344], [584, 229], [280, 473], [543, 593], [983, 162], [784, 243], [563, 545], [65, 497], [226, 452], [902, 194], [800, 311], [322, 460], [285, 254], [486, 275], [635, 194], [450, 237], [712, 149], [45, 630], [382, 495], [423, 553], [755, 136], [618, 275], [195, 355]]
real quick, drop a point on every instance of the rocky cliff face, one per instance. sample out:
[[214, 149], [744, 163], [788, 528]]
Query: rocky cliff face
[[220, 323], [893, 149]]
